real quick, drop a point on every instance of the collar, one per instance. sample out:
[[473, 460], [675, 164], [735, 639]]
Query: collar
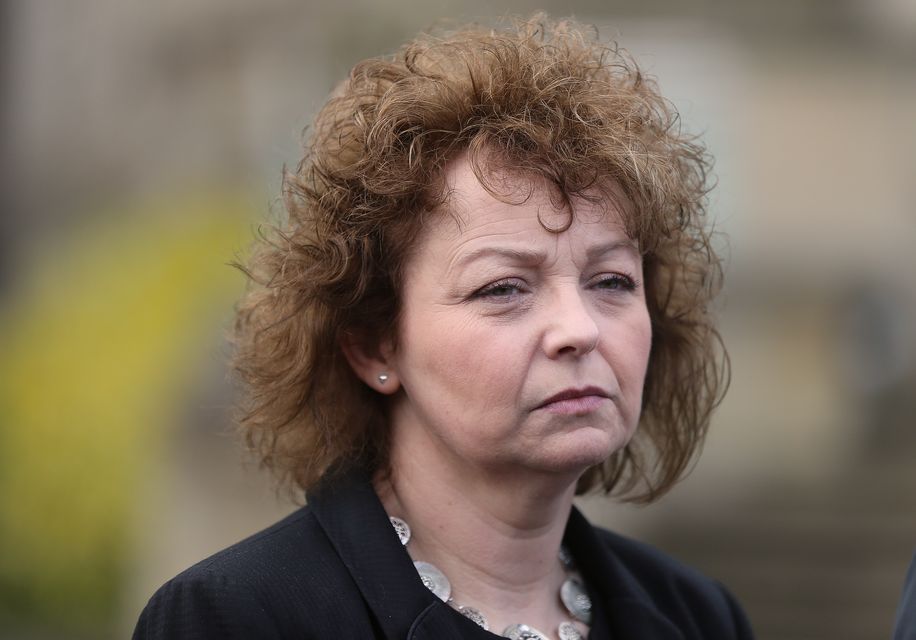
[[355, 522], [351, 515], [626, 610]]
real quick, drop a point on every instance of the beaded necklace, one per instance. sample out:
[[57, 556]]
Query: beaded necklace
[[572, 595]]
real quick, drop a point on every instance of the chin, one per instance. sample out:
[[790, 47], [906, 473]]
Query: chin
[[584, 448]]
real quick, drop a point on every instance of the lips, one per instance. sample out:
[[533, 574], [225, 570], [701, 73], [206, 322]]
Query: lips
[[574, 394]]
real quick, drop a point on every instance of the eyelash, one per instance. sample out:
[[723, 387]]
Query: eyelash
[[620, 281], [490, 290], [623, 281]]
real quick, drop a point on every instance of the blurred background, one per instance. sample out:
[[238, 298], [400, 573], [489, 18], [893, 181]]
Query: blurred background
[[142, 145]]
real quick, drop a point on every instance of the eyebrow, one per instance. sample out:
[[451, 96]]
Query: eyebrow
[[600, 250], [519, 256], [530, 258]]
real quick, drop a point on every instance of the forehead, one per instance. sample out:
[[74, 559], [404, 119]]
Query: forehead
[[503, 200]]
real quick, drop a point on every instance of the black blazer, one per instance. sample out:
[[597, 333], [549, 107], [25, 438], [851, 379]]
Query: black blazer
[[335, 569]]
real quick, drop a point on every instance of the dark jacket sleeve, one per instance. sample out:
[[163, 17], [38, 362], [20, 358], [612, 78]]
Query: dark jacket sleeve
[[199, 605]]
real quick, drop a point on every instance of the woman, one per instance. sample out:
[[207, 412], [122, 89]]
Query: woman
[[491, 295]]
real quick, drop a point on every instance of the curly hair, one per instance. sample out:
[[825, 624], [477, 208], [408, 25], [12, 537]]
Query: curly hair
[[547, 99]]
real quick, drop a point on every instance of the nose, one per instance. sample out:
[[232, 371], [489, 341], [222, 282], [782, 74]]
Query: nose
[[571, 328]]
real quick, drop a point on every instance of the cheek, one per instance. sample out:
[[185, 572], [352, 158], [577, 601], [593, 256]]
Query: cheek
[[643, 346], [634, 355], [471, 368]]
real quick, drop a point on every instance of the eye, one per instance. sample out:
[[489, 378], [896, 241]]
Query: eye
[[500, 289], [617, 282]]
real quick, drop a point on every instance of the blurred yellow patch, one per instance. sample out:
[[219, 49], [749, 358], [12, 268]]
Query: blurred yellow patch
[[103, 334]]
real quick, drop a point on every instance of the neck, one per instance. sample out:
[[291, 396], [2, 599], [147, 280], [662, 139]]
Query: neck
[[495, 535]]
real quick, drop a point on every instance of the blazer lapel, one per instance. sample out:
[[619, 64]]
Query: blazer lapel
[[352, 517], [627, 609], [355, 522], [440, 622]]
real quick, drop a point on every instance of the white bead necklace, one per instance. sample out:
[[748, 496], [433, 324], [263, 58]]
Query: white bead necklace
[[572, 595]]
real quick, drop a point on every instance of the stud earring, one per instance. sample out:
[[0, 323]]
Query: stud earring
[[382, 378]]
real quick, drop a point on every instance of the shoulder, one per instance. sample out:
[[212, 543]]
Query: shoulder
[[269, 554], [654, 570], [682, 594], [259, 587]]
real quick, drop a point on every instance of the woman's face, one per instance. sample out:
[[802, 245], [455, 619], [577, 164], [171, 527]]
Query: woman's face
[[519, 348]]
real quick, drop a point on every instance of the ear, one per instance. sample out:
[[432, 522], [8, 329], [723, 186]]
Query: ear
[[372, 363]]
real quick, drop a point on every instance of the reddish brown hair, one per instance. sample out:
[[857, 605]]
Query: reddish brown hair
[[545, 98]]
